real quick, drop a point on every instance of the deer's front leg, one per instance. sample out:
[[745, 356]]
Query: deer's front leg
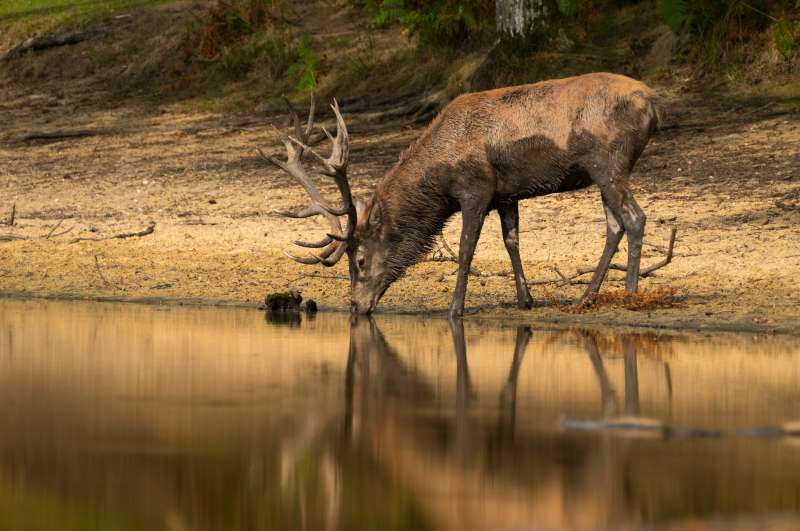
[[472, 222], [509, 221]]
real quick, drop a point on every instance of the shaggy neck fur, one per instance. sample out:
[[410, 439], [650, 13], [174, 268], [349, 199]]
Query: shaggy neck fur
[[415, 209]]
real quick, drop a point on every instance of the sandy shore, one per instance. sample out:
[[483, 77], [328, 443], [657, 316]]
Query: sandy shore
[[726, 177]]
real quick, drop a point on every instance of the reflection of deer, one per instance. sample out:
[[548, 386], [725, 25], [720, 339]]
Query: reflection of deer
[[630, 416], [466, 473]]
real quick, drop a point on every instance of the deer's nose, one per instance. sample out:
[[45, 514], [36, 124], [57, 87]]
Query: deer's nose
[[353, 307]]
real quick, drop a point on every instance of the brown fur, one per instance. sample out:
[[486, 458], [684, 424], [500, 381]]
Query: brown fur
[[490, 149]]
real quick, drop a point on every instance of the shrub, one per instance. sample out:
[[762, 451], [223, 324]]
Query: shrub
[[723, 23], [436, 22]]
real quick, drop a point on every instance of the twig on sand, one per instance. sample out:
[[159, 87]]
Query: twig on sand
[[149, 230], [319, 275], [57, 225], [102, 276], [12, 237], [12, 216]]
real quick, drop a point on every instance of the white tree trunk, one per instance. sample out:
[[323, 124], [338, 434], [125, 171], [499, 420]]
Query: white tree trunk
[[516, 17]]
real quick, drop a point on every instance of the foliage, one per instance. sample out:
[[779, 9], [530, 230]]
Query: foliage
[[721, 23], [568, 8], [674, 13], [786, 36], [242, 34], [304, 70], [436, 22]]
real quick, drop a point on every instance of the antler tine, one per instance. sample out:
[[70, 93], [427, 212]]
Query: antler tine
[[310, 124], [335, 243], [340, 154], [300, 133], [327, 240]]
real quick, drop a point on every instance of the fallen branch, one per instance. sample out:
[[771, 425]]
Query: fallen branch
[[644, 273], [444, 253], [63, 134], [102, 276], [149, 230], [319, 275], [11, 238], [42, 43]]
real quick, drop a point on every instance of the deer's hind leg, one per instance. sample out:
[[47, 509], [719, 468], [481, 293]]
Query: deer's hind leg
[[509, 221], [614, 232], [619, 199], [623, 215]]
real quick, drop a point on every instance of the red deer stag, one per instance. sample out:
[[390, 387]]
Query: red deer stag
[[485, 151]]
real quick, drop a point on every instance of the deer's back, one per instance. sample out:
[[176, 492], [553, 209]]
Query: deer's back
[[536, 139]]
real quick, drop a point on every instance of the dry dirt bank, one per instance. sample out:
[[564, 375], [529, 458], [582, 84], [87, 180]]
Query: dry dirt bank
[[725, 173]]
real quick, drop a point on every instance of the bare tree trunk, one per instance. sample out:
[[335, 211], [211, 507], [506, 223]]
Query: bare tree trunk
[[516, 17]]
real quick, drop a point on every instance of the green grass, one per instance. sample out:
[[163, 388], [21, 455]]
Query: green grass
[[22, 18]]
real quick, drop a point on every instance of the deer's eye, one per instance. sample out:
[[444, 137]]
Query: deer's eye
[[360, 259]]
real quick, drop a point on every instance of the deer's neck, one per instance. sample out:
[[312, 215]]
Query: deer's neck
[[416, 208]]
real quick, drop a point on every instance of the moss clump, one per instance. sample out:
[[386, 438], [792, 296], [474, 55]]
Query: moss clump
[[283, 301], [311, 306]]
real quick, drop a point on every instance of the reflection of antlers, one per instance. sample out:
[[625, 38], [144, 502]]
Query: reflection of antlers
[[335, 243]]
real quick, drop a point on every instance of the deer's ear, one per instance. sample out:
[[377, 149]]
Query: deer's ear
[[375, 214], [361, 210]]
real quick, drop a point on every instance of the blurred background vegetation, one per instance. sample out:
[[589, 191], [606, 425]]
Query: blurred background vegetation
[[228, 50]]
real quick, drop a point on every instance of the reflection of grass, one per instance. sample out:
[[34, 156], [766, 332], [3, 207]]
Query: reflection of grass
[[19, 18], [24, 508]]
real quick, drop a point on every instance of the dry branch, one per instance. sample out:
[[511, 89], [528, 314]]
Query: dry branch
[[444, 253], [646, 272], [43, 43], [319, 275], [64, 134], [148, 230]]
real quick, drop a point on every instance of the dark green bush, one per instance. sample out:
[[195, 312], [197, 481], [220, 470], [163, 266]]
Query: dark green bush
[[436, 22], [722, 24]]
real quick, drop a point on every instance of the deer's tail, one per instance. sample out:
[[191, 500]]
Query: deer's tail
[[655, 112]]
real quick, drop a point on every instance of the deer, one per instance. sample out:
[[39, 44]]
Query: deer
[[484, 151]]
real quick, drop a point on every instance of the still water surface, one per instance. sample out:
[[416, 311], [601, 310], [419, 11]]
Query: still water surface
[[129, 417]]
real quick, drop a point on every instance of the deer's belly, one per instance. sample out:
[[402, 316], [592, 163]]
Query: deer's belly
[[542, 180], [534, 166]]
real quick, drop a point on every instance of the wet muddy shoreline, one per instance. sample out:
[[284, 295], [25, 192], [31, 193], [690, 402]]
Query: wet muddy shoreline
[[608, 319]]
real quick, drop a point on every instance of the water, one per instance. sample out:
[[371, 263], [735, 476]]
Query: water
[[129, 417]]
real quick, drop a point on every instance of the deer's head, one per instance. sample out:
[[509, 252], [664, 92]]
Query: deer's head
[[364, 238]]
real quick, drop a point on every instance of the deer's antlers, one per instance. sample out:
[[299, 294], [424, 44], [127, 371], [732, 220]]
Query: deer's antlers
[[335, 242]]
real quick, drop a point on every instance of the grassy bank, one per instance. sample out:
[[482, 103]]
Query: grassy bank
[[22, 18]]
